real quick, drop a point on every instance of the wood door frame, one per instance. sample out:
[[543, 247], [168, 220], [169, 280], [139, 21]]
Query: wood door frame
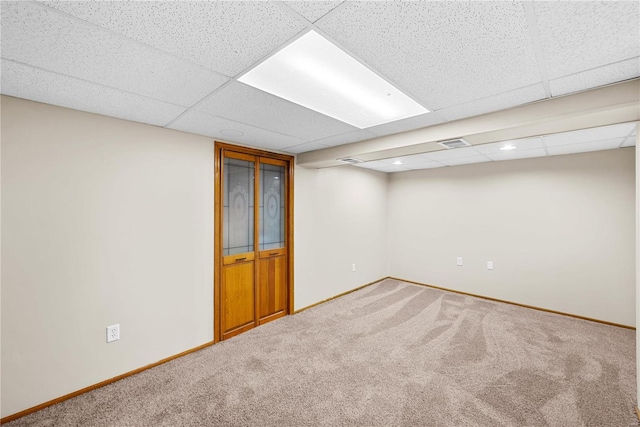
[[220, 148]]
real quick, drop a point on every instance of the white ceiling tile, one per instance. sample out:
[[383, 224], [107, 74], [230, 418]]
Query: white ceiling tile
[[381, 166], [600, 76], [577, 36], [442, 53], [428, 165], [520, 144], [517, 154], [585, 146], [455, 153], [631, 138], [393, 169], [225, 36], [408, 160], [303, 148], [416, 122], [313, 10], [36, 35], [588, 135], [465, 160], [494, 103], [629, 142], [227, 130], [242, 103], [371, 165], [31, 83], [346, 138]]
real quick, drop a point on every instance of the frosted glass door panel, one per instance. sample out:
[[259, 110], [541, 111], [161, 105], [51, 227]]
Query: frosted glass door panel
[[272, 206], [238, 209]]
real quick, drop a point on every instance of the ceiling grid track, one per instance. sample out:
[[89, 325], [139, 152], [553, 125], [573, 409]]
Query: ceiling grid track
[[630, 135], [535, 40], [93, 83], [586, 70], [193, 107], [120, 36], [314, 27]]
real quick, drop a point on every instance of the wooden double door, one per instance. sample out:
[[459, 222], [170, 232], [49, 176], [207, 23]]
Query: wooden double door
[[253, 268]]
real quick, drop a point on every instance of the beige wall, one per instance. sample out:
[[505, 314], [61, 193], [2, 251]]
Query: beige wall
[[104, 221], [637, 299], [107, 221], [560, 231], [340, 220]]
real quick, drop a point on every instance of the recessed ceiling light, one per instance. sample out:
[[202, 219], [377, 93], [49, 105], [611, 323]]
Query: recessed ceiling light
[[316, 74], [397, 162], [508, 147]]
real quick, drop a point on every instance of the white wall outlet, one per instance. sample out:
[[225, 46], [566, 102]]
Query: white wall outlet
[[459, 261], [113, 333], [353, 267], [489, 265]]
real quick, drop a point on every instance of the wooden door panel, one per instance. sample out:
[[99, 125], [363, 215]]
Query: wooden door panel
[[234, 259], [272, 252], [238, 297], [272, 284], [253, 216]]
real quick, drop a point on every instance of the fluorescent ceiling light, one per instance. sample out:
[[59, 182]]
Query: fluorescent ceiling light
[[316, 74], [508, 147], [397, 162]]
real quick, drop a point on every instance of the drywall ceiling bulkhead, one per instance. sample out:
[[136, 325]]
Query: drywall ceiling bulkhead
[[616, 103]]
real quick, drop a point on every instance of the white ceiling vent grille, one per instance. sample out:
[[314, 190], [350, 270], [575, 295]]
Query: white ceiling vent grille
[[454, 143], [350, 160]]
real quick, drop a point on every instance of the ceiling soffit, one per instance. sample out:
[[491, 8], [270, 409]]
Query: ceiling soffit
[[612, 104]]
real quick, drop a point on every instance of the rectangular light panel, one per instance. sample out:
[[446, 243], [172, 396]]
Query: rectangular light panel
[[316, 74]]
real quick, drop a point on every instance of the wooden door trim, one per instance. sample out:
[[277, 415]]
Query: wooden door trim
[[252, 151], [241, 156], [275, 162], [217, 242], [246, 153], [256, 243], [289, 236]]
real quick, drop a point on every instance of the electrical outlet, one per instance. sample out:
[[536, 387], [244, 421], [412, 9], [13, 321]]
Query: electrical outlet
[[353, 267], [113, 333], [459, 261]]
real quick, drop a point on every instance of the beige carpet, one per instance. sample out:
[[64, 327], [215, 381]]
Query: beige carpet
[[392, 354]]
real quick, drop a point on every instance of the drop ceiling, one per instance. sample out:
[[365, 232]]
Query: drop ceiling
[[592, 139], [178, 64]]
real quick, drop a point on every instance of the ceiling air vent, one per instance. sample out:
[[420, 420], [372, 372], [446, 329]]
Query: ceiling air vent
[[350, 160], [454, 143]]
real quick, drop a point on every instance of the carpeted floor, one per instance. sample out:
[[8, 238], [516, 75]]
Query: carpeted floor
[[392, 354]]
